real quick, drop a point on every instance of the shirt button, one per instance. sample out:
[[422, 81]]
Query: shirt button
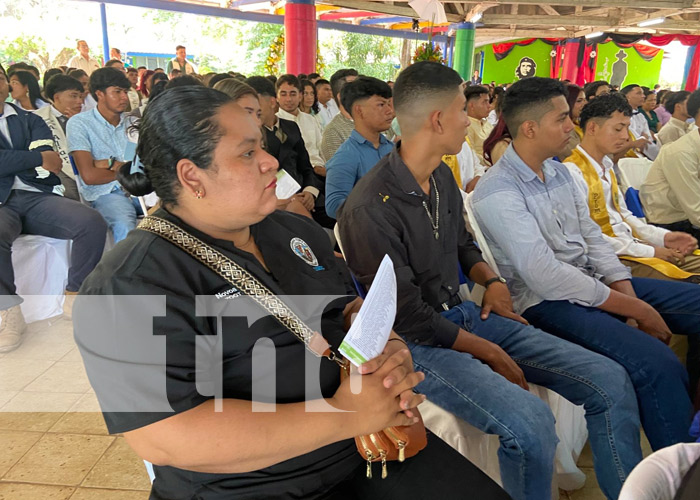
[[449, 287], [554, 212]]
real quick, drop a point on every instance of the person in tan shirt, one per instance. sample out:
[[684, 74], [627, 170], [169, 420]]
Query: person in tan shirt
[[671, 192], [677, 126], [478, 109]]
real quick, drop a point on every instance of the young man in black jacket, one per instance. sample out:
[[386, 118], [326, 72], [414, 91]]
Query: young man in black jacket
[[32, 202]]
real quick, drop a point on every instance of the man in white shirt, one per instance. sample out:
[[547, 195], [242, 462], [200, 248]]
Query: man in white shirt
[[649, 251], [327, 108], [638, 123], [289, 91], [478, 109], [677, 126], [671, 192], [82, 59]]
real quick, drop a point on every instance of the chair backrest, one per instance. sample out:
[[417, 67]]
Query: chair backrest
[[633, 172], [478, 235], [358, 286]]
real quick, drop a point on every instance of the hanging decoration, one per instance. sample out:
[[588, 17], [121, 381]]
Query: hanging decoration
[[275, 54], [428, 51]]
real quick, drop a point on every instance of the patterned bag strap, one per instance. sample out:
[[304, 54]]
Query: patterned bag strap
[[244, 281]]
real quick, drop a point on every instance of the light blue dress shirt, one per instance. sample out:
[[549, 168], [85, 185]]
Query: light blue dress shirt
[[354, 158], [89, 131], [541, 235]]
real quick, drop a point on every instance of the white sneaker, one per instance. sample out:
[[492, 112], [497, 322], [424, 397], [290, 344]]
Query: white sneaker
[[12, 326]]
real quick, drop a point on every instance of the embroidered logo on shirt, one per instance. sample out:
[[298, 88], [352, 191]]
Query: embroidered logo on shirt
[[304, 252]]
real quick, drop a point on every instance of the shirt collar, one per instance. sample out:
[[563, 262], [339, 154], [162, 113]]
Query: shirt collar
[[360, 139], [56, 112], [287, 116], [521, 168], [101, 119], [680, 124], [8, 110], [607, 162], [404, 178]]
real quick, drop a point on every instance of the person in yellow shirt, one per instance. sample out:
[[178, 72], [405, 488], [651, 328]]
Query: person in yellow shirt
[[649, 251], [478, 109]]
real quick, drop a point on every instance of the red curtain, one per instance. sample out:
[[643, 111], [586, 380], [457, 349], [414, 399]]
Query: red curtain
[[691, 82], [555, 65], [501, 50], [666, 39]]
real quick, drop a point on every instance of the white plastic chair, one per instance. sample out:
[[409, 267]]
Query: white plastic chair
[[633, 172]]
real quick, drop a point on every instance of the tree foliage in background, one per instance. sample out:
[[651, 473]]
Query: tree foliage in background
[[370, 55], [33, 51]]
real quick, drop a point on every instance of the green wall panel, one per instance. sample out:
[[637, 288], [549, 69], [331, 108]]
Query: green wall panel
[[638, 70], [503, 71]]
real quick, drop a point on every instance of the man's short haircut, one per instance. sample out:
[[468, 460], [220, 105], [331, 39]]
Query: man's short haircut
[[131, 69], [77, 73], [183, 81], [262, 85], [217, 78], [49, 73], [591, 88], [61, 83], [340, 78], [112, 62], [694, 104], [311, 76], [141, 67], [475, 92], [13, 68], [363, 88], [321, 81], [420, 89], [289, 80], [529, 99], [675, 98], [180, 47], [77, 44], [628, 88], [603, 107], [103, 78]]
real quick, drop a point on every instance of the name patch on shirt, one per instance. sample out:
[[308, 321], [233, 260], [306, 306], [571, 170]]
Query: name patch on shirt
[[229, 294], [302, 250]]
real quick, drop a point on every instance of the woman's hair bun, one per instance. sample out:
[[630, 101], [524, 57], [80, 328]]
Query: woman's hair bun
[[134, 181]]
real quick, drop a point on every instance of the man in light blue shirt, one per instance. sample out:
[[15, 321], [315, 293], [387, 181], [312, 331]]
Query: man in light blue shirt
[[565, 278], [97, 140], [368, 100]]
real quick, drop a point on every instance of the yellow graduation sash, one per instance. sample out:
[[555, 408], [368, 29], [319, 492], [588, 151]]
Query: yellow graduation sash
[[578, 130], [451, 161], [599, 213]]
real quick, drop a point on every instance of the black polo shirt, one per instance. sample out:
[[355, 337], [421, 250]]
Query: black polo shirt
[[384, 214], [127, 379]]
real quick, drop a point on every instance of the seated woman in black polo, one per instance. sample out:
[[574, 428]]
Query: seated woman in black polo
[[157, 351]]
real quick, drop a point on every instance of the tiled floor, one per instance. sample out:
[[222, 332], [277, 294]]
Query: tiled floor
[[54, 444]]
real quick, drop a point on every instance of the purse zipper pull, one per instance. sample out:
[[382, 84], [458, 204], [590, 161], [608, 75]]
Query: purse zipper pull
[[402, 455], [384, 472], [370, 457]]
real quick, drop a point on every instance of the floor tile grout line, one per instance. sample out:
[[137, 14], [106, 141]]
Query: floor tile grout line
[[25, 453], [19, 391], [114, 440]]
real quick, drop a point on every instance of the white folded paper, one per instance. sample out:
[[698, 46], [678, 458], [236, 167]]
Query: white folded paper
[[370, 331]]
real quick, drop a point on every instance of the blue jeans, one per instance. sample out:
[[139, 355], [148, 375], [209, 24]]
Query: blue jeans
[[119, 210], [658, 377], [467, 387]]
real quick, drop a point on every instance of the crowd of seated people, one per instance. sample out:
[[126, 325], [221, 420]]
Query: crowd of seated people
[[583, 301]]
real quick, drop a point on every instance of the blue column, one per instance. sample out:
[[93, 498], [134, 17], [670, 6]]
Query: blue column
[[105, 37]]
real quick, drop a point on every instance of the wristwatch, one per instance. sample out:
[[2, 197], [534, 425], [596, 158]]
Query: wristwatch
[[494, 280]]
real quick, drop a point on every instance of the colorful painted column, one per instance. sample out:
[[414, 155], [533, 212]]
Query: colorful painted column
[[300, 36], [691, 73], [105, 37], [464, 49]]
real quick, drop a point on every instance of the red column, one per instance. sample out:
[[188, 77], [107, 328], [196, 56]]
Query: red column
[[300, 36], [570, 67]]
